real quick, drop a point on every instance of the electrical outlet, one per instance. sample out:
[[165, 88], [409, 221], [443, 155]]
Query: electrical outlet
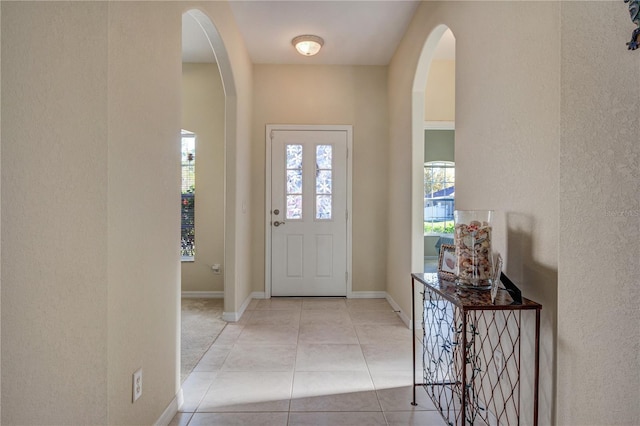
[[498, 362], [137, 385]]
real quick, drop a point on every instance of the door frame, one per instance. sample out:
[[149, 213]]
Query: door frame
[[267, 212]]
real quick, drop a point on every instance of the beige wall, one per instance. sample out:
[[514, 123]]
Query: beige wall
[[89, 294], [54, 213], [598, 314], [506, 144], [237, 78], [0, 223], [143, 262], [203, 114], [90, 129], [558, 159], [440, 92], [356, 95]]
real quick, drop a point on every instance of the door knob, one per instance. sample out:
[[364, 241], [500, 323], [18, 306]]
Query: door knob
[[276, 223]]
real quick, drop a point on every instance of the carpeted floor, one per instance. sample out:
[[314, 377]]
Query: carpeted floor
[[201, 323]]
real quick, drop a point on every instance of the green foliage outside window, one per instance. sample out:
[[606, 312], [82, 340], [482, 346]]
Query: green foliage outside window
[[188, 202], [439, 194], [438, 227]]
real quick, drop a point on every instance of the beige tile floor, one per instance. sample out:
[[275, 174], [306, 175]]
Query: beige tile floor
[[308, 361]]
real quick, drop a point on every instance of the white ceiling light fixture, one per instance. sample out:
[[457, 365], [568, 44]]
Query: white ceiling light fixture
[[307, 45]]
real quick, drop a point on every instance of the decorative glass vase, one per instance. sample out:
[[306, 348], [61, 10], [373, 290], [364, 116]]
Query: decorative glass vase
[[472, 239]]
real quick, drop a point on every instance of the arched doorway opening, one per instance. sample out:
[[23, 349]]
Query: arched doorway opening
[[202, 165], [208, 117], [433, 109]]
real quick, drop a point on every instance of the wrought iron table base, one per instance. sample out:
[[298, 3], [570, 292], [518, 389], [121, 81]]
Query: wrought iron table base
[[472, 352]]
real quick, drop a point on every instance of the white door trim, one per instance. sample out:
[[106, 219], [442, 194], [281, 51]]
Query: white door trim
[[439, 125], [267, 212]]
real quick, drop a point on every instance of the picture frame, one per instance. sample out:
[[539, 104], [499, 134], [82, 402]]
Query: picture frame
[[447, 262]]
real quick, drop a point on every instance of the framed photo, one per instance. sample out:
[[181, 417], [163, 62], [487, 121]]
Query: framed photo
[[447, 262]]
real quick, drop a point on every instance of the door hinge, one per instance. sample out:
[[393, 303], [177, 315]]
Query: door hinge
[[346, 277], [346, 214]]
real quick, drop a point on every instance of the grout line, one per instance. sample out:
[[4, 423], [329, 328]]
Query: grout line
[[353, 326]]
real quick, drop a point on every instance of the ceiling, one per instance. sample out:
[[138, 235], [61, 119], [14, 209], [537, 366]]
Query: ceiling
[[354, 32]]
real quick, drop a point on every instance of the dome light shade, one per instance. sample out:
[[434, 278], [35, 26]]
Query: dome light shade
[[307, 45]]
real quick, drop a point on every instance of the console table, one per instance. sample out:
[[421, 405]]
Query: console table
[[473, 353]]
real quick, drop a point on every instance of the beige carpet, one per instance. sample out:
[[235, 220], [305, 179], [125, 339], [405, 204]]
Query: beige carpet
[[201, 323]]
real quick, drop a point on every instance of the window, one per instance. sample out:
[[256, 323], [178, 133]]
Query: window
[[439, 194], [294, 182], [323, 182], [324, 176], [187, 202]]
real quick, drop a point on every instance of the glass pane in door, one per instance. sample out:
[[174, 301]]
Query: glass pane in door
[[324, 177], [294, 181]]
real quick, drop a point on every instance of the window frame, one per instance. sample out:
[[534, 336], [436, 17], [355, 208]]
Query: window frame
[[191, 195], [446, 198]]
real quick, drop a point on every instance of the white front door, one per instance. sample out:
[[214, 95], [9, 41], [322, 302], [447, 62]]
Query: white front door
[[308, 212]]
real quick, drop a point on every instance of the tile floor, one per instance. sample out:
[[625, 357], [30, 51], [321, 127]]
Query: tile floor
[[308, 361]]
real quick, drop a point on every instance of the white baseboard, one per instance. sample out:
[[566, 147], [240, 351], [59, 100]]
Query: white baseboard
[[367, 295], [171, 410], [203, 294], [405, 318], [230, 317], [382, 295], [235, 316], [258, 295]]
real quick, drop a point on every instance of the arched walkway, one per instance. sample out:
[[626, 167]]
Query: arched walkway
[[417, 155], [228, 82]]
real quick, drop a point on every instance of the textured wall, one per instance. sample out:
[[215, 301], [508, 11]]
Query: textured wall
[[144, 122], [330, 95], [440, 93], [144, 80], [507, 154], [506, 150], [237, 79], [54, 213], [598, 314], [0, 219], [90, 133], [203, 114], [558, 158]]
